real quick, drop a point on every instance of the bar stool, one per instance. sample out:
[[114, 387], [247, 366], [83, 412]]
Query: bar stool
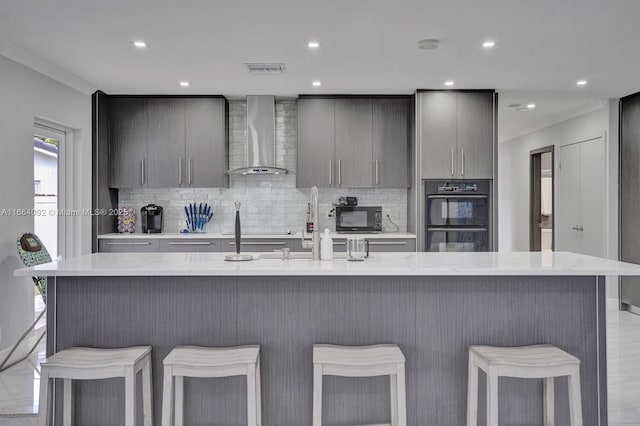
[[194, 361], [527, 362], [361, 361], [93, 364]]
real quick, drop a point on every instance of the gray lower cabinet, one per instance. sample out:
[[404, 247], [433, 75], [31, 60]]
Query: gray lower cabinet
[[259, 244], [316, 133], [128, 246], [194, 245], [457, 135], [353, 143], [391, 245], [128, 143]]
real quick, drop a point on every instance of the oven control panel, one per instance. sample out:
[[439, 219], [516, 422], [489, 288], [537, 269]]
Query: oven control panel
[[449, 187]]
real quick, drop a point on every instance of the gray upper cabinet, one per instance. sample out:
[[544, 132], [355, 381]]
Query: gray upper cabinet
[[353, 142], [316, 133], [165, 138], [128, 143], [391, 143], [457, 135], [475, 134], [205, 163], [168, 142], [353, 147]]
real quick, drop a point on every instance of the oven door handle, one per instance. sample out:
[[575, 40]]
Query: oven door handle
[[457, 229], [457, 196]]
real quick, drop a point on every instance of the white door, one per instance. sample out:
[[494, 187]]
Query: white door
[[582, 198]]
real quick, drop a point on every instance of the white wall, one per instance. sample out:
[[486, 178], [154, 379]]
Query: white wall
[[513, 173], [24, 96]]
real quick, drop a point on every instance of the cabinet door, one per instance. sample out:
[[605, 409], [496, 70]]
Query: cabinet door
[[391, 121], [166, 147], [182, 245], [438, 134], [316, 132], [206, 160], [128, 143], [353, 143], [391, 245], [133, 245], [248, 245], [475, 136]]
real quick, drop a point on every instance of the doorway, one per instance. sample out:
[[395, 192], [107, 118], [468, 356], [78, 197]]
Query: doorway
[[541, 205]]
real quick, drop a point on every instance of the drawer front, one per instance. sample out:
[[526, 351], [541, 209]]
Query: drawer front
[[187, 246], [252, 245], [127, 246], [382, 245]]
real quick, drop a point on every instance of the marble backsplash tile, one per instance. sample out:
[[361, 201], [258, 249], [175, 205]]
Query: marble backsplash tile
[[271, 204]]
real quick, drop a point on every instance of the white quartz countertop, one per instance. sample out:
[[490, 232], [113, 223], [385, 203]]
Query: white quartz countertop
[[378, 264], [208, 236]]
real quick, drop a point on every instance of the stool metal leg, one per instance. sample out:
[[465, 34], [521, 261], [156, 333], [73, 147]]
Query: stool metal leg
[[317, 394], [67, 410], [402, 396], [167, 397], [575, 398], [393, 383], [492, 398], [252, 415], [179, 400], [130, 396], [45, 398], [472, 393], [258, 394], [147, 393], [549, 401]]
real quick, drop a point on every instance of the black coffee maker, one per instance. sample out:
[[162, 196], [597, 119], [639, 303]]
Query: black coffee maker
[[151, 219]]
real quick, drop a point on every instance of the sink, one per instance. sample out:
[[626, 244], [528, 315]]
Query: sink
[[298, 255]]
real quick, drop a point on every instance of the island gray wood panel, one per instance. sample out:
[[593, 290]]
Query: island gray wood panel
[[128, 148], [206, 160], [391, 127], [316, 134], [166, 148], [432, 319], [353, 143], [629, 197], [475, 135], [438, 134]]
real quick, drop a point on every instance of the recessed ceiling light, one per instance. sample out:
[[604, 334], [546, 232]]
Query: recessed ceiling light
[[184, 84], [428, 44], [313, 44], [488, 44], [316, 84], [531, 106], [581, 82], [139, 44], [449, 83]]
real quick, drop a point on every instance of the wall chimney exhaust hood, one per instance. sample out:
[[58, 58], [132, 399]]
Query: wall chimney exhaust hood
[[261, 138]]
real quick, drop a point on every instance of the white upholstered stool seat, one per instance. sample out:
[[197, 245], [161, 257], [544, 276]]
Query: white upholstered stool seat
[[93, 364], [197, 361], [361, 361], [527, 362]]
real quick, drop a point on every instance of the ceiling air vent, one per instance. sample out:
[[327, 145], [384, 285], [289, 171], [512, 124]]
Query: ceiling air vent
[[265, 68]]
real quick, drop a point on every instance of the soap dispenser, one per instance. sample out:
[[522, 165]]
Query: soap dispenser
[[326, 246]]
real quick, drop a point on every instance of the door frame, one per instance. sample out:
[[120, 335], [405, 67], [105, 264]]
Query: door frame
[[534, 190]]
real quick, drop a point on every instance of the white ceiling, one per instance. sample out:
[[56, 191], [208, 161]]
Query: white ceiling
[[368, 46]]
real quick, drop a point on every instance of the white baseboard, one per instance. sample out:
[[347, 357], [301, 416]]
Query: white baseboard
[[613, 304]]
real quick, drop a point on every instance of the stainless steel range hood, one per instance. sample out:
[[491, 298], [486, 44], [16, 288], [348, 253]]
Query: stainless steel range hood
[[261, 138]]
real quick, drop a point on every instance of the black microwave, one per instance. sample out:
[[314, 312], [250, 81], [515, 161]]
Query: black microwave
[[358, 219]]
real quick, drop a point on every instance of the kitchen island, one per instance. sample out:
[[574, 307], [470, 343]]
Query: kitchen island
[[433, 305]]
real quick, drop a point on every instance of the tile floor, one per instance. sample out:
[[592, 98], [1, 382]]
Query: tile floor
[[19, 384]]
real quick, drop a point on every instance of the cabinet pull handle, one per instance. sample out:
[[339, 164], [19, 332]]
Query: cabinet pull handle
[[190, 166], [140, 243], [388, 243], [339, 243], [330, 172], [259, 243], [142, 172], [452, 161], [339, 171], [462, 162], [377, 164], [180, 171], [189, 243]]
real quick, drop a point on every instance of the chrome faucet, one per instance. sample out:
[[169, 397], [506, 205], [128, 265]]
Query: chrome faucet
[[314, 244]]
